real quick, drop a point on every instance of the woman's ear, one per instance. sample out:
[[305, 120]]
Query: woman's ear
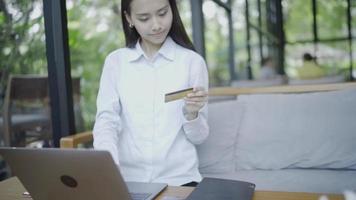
[[128, 18]]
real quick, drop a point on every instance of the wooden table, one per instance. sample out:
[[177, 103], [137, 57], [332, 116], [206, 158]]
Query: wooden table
[[12, 189]]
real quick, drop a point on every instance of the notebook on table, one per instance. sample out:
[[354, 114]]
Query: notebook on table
[[73, 174], [222, 189]]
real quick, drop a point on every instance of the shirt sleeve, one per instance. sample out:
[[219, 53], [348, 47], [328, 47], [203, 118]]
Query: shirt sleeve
[[197, 130], [107, 122]]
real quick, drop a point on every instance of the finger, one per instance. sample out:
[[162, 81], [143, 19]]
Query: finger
[[201, 93], [198, 94], [196, 104], [192, 102], [196, 99], [199, 88]]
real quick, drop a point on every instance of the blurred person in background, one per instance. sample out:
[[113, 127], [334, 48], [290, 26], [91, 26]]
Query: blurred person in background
[[268, 69], [310, 69]]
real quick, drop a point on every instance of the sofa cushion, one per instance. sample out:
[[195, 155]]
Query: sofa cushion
[[310, 130], [216, 153], [296, 180]]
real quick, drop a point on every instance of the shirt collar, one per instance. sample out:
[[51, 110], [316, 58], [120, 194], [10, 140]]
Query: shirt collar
[[167, 50], [135, 53]]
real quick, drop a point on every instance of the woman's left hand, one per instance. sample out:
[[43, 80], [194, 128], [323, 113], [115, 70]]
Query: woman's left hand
[[194, 101]]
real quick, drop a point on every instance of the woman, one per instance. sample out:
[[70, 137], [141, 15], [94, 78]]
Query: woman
[[153, 141]]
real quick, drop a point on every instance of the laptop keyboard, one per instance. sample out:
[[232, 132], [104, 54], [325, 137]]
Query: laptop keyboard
[[139, 196]]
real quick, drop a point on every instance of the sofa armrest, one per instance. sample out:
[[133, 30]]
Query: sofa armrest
[[72, 141]]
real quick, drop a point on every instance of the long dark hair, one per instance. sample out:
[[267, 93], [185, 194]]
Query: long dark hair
[[177, 32]]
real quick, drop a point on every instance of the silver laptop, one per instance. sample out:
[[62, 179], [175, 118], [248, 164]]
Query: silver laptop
[[59, 174]]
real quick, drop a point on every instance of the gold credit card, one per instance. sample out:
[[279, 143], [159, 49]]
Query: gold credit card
[[177, 95]]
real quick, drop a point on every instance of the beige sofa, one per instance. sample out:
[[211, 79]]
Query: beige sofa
[[287, 138]]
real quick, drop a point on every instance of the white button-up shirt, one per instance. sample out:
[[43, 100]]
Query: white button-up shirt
[[150, 140]]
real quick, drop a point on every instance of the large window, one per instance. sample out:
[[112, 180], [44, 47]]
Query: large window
[[332, 18], [24, 109], [94, 31], [22, 49], [216, 42], [326, 39], [298, 20]]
